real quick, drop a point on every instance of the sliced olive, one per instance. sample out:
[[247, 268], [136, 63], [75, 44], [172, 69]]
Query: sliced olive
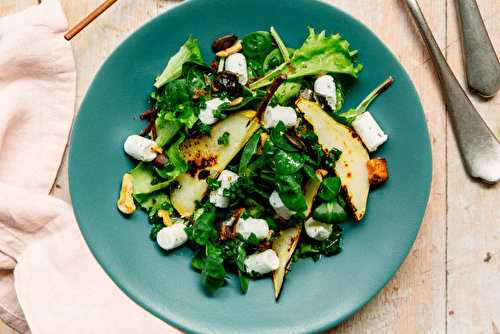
[[224, 42]]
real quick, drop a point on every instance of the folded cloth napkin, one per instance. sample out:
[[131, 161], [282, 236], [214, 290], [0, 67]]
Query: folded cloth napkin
[[49, 280]]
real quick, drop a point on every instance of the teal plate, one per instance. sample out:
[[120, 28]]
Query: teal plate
[[316, 295]]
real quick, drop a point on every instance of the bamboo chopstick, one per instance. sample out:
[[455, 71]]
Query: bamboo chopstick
[[98, 11]]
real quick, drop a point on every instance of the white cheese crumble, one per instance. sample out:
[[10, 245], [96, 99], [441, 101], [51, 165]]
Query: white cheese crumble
[[262, 263], [246, 227], [172, 237], [317, 230], [140, 148], [237, 63], [325, 86], [273, 115], [206, 115], [369, 131]]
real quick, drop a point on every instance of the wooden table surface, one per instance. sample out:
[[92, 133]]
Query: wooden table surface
[[450, 281]]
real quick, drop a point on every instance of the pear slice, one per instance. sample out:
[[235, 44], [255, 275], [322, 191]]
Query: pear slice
[[285, 244], [208, 158], [351, 166]]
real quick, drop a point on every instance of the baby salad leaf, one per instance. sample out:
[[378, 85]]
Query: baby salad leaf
[[330, 188], [188, 52], [318, 54], [177, 165], [213, 274], [330, 212], [290, 191], [350, 115], [249, 150], [143, 176], [166, 130]]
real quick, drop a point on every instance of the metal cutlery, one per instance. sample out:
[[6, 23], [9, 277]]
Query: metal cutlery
[[481, 62], [480, 149]]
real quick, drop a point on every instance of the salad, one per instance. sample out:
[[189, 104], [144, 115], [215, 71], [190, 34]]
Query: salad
[[249, 160]]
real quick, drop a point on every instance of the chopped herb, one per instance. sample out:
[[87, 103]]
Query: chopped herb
[[224, 139]]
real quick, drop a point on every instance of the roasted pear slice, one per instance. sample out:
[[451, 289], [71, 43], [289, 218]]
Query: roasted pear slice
[[351, 166], [287, 241], [208, 158]]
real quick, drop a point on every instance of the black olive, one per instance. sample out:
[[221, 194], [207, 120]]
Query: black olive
[[228, 82]]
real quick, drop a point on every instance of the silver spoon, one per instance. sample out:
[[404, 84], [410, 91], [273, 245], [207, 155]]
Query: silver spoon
[[481, 62], [479, 147]]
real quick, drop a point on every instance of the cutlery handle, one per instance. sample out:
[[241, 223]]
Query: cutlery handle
[[481, 62], [479, 147]]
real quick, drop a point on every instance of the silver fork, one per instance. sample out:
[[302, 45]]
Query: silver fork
[[479, 148]]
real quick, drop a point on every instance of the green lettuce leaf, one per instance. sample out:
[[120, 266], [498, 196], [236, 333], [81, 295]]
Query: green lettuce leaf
[[143, 176], [155, 201], [166, 130], [319, 54], [188, 52], [177, 165]]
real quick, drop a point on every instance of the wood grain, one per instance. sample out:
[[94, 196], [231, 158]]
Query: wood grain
[[449, 281]]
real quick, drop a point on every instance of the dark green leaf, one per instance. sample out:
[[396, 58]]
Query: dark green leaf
[[286, 162], [213, 274], [279, 139], [330, 212], [290, 191], [330, 188]]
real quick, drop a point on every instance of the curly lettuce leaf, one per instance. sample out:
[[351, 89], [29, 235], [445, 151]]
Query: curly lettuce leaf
[[190, 51], [155, 201], [319, 54]]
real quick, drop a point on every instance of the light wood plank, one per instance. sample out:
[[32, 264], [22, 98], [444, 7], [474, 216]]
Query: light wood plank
[[417, 292], [473, 296]]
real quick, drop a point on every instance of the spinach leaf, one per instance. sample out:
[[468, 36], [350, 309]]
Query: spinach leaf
[[244, 280], [213, 274], [278, 138], [199, 77], [203, 227], [172, 94], [248, 151], [290, 191], [256, 45], [283, 162], [330, 188], [310, 172], [198, 260]]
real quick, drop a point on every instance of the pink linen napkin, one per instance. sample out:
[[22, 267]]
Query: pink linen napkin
[[49, 280]]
